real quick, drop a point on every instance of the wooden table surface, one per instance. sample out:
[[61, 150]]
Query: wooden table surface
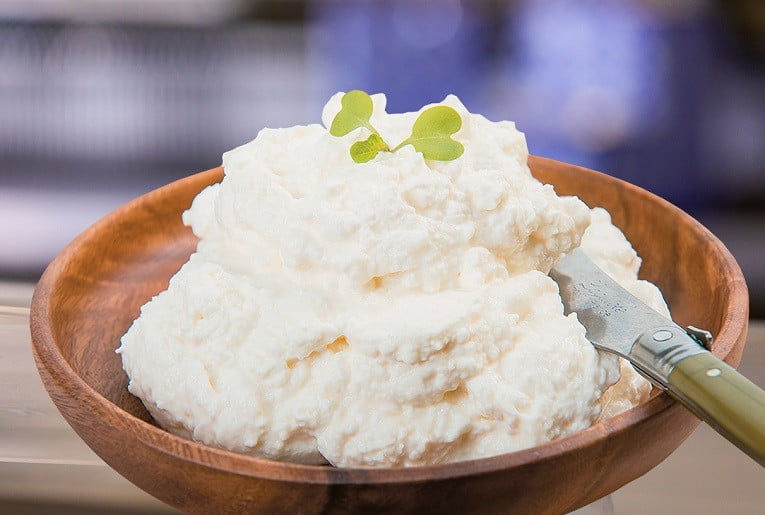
[[46, 468]]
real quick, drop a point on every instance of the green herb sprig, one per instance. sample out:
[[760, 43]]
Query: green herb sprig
[[431, 132]]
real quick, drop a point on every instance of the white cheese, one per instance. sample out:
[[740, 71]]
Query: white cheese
[[391, 313]]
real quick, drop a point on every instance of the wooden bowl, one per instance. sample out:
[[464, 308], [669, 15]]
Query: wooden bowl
[[90, 294]]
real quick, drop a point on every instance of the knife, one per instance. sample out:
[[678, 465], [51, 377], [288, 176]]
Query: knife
[[675, 359]]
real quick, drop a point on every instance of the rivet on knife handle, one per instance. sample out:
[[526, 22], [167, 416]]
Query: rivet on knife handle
[[673, 358], [658, 350], [723, 398], [712, 390]]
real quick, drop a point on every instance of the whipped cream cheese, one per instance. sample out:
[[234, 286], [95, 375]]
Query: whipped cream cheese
[[392, 313]]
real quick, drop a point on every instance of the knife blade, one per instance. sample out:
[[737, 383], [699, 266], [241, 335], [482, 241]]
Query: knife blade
[[671, 357]]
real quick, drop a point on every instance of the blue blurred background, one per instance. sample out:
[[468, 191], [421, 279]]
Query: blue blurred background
[[101, 101]]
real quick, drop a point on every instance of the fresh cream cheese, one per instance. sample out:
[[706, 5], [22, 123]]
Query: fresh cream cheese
[[392, 313]]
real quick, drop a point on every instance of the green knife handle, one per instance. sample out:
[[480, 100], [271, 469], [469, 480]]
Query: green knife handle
[[726, 400]]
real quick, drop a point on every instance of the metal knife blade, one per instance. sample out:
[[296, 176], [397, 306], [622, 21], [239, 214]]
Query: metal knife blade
[[671, 357], [612, 316]]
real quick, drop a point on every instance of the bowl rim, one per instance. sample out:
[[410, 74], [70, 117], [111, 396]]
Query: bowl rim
[[50, 361]]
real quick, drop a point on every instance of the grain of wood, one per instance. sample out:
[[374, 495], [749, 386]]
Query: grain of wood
[[90, 294], [46, 468]]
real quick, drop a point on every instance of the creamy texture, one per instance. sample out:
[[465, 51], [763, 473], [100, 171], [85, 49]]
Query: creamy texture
[[391, 313]]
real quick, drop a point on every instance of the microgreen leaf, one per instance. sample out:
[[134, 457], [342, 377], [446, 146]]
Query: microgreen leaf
[[366, 150], [355, 112], [431, 134]]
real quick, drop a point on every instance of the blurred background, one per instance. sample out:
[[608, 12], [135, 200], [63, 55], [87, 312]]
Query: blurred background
[[103, 100]]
